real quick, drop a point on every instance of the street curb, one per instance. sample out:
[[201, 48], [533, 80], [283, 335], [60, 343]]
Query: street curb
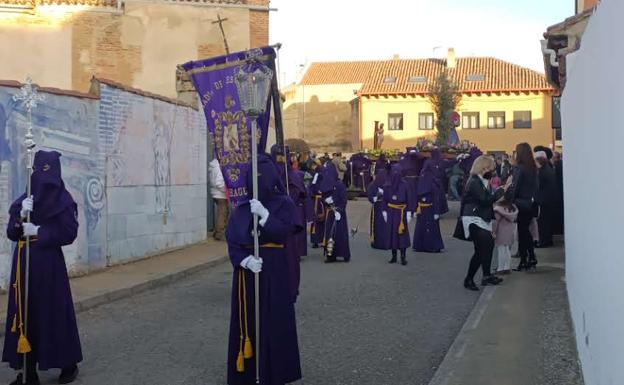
[[445, 371], [115, 295]]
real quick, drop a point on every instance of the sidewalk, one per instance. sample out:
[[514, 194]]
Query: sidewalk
[[126, 280], [519, 333]]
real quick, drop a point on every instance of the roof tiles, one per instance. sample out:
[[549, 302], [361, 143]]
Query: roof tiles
[[499, 75]]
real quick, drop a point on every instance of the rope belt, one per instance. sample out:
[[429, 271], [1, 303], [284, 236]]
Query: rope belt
[[245, 351], [422, 206], [319, 216], [23, 345], [268, 245], [402, 208]]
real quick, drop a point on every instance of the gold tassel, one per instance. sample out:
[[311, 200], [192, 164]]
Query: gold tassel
[[23, 346], [14, 327], [248, 349], [401, 227], [240, 362]]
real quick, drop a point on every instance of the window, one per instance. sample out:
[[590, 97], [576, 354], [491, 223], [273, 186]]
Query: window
[[425, 121], [522, 119], [395, 122], [417, 79], [556, 112], [496, 120], [390, 79], [470, 121], [475, 78]]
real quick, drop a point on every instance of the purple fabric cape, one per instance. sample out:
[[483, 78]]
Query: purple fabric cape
[[52, 328]]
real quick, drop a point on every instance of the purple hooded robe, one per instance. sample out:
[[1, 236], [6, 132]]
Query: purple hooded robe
[[52, 329], [427, 235], [279, 350], [336, 230], [296, 246], [379, 230], [396, 201]]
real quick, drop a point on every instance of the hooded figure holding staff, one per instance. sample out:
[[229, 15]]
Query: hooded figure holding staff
[[279, 350], [50, 338]]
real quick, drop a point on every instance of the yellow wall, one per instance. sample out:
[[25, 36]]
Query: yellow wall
[[487, 139]]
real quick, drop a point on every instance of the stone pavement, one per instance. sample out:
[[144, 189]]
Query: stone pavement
[[519, 333], [126, 280]]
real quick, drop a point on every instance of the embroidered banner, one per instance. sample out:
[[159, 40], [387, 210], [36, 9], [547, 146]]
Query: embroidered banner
[[231, 130]]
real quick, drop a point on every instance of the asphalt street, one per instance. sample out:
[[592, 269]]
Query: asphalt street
[[364, 322]]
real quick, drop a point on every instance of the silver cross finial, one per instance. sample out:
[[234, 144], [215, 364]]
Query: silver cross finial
[[29, 95]]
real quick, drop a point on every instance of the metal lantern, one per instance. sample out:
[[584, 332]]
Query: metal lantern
[[253, 82]]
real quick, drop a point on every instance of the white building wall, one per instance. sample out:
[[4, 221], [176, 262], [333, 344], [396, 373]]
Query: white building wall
[[592, 113]]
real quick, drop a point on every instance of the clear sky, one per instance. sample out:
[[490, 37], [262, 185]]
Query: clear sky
[[329, 30]]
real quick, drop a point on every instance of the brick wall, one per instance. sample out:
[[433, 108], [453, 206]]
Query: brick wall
[[258, 25]]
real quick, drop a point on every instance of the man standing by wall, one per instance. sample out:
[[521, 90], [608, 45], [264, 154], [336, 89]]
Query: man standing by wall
[[217, 190]]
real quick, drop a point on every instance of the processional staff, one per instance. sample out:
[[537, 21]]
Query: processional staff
[[29, 98]]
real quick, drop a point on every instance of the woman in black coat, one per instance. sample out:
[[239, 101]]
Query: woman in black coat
[[477, 215], [523, 192]]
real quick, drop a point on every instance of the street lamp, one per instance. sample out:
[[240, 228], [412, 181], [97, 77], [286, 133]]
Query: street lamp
[[253, 83]]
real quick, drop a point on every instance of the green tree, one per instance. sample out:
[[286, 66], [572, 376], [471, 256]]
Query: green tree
[[445, 98]]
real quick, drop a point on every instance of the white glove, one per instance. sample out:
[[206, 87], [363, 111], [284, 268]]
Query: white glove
[[375, 199], [258, 209], [337, 216], [409, 217], [252, 263], [436, 217], [27, 207], [380, 190], [385, 216], [315, 178], [329, 200], [30, 230]]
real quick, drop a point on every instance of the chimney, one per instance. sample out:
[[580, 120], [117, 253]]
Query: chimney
[[451, 60], [395, 56]]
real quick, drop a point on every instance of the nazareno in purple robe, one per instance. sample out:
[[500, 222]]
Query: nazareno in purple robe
[[378, 230], [427, 235], [411, 165], [52, 329], [336, 230], [396, 202], [279, 349], [317, 229], [361, 167], [296, 245], [439, 167]]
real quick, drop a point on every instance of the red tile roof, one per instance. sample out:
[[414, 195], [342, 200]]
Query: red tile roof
[[498, 75], [50, 90], [136, 91]]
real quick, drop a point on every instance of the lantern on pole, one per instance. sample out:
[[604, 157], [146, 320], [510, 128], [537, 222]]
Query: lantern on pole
[[253, 83]]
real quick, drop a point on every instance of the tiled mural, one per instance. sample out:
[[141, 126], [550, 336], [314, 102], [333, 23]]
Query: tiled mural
[[136, 166]]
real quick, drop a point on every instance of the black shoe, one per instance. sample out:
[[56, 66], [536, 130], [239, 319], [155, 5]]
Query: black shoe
[[330, 259], [491, 281], [403, 261], [470, 285], [68, 375], [393, 259], [521, 267], [31, 379], [532, 262]]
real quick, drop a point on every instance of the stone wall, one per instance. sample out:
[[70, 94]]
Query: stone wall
[[134, 162]]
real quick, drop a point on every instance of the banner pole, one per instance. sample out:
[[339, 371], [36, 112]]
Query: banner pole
[[254, 170]]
